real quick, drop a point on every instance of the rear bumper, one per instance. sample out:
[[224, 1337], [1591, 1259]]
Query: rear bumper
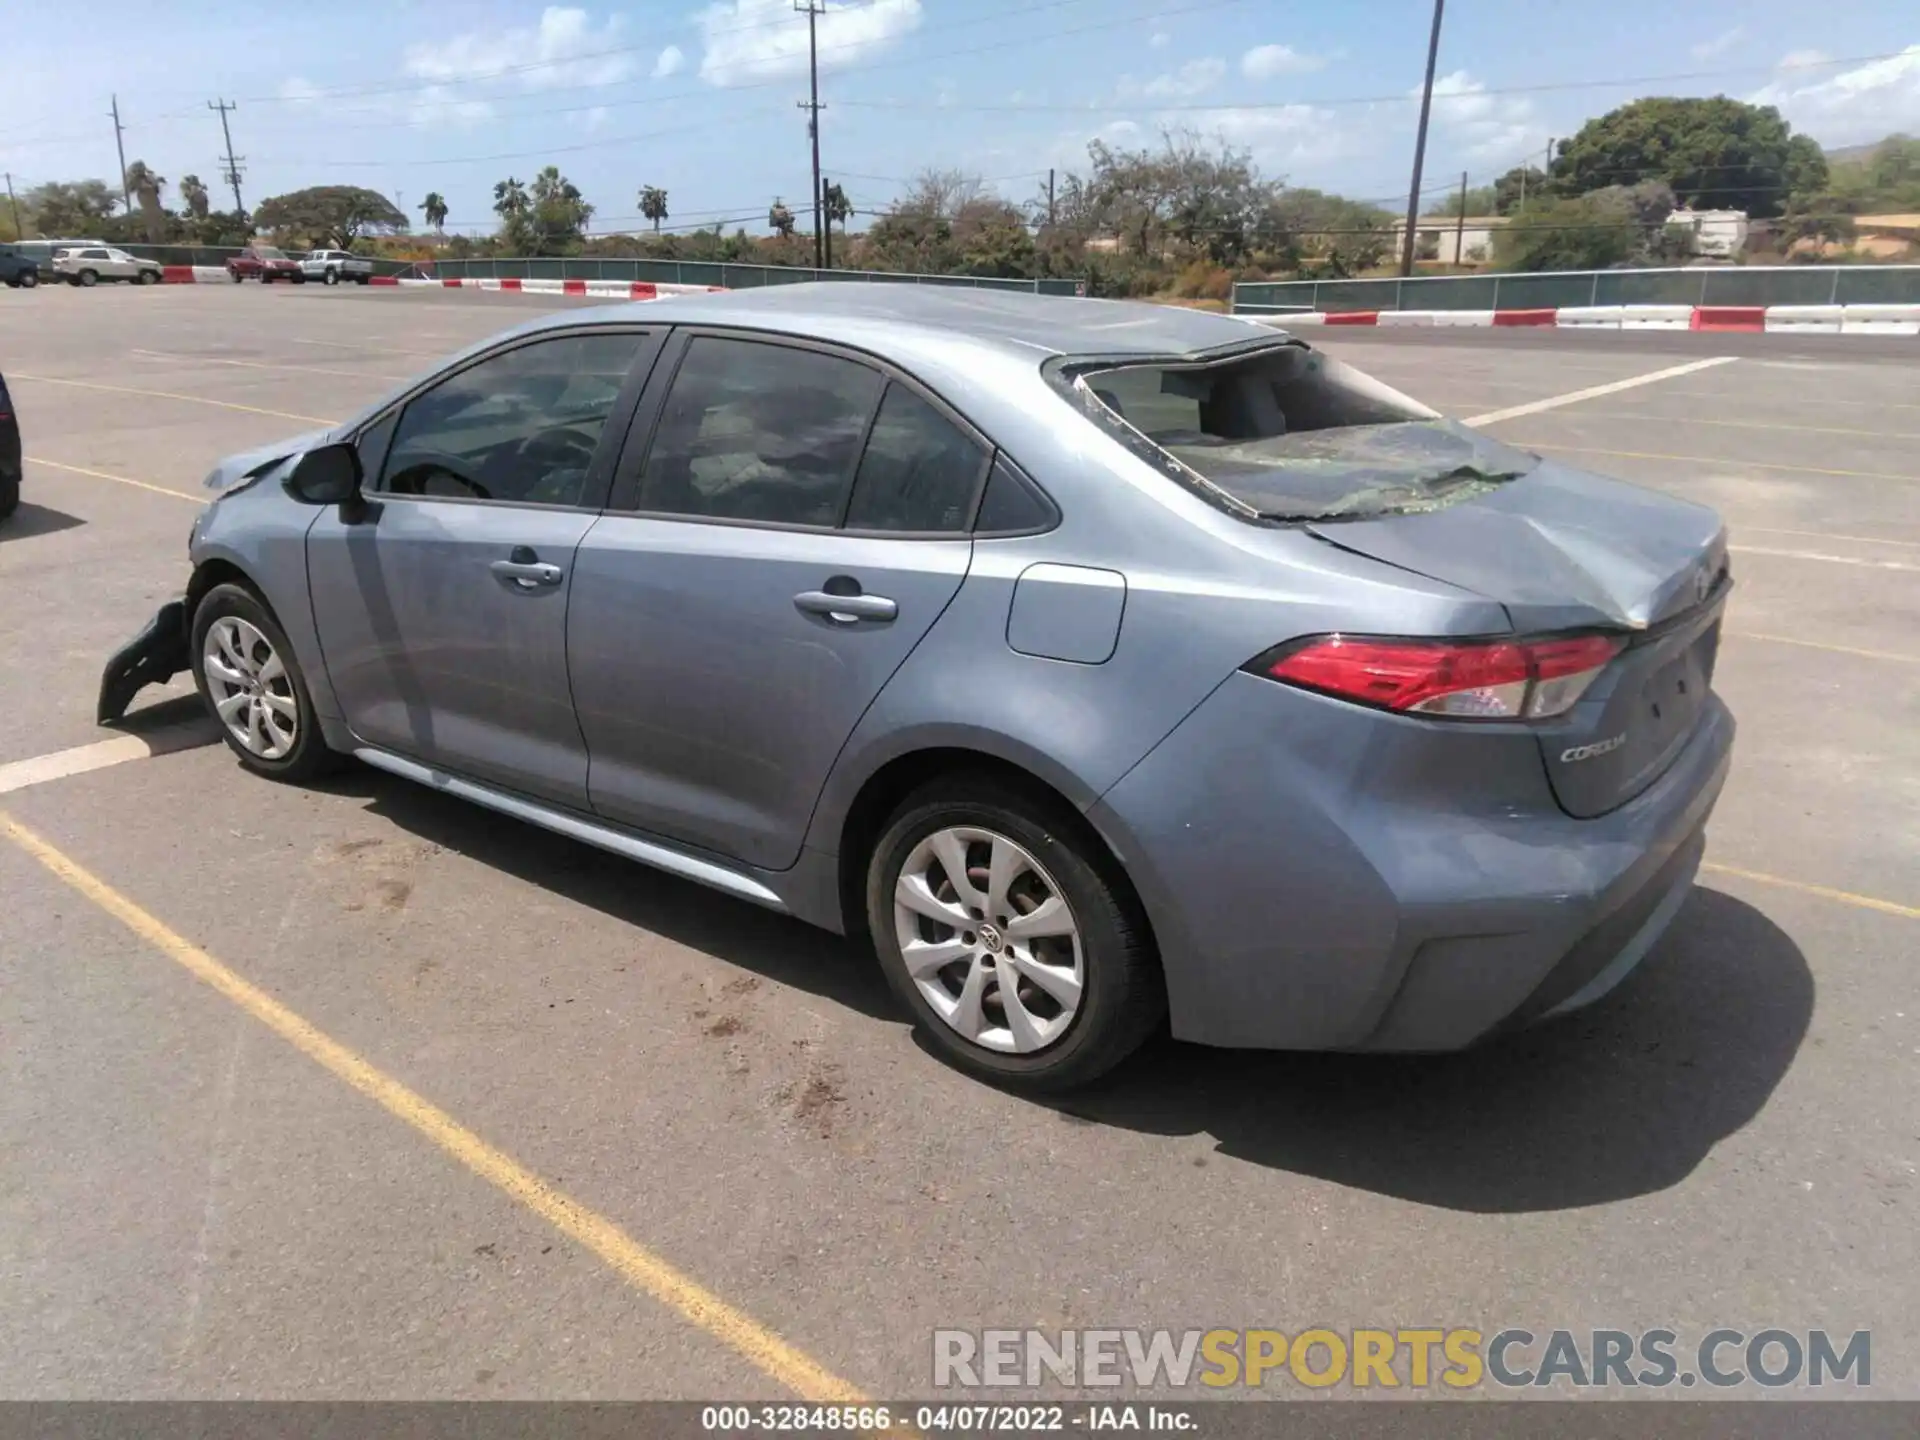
[[1321, 877]]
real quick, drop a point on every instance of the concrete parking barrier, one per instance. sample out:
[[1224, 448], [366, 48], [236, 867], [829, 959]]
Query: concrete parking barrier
[[1588, 317], [1478, 319], [1880, 320], [1656, 317], [1805, 319], [1352, 317], [1729, 317], [1406, 317], [1524, 317]]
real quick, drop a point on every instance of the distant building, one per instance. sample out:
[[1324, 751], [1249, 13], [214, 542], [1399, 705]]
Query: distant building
[[1715, 232], [1448, 240]]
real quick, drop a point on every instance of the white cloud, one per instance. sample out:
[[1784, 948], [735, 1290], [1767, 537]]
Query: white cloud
[[1720, 44], [671, 62], [1161, 39], [564, 50], [1483, 128], [1864, 103], [750, 40], [1803, 59], [1196, 77], [1265, 62], [429, 105], [298, 91], [1286, 138]]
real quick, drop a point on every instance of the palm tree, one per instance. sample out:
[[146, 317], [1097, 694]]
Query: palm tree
[[193, 193], [147, 186], [780, 219], [653, 205], [510, 198], [838, 207], [434, 207]]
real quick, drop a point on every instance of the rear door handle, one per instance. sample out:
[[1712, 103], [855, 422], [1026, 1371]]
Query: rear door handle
[[527, 574], [846, 609]]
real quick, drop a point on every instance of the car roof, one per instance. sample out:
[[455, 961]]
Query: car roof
[[863, 312]]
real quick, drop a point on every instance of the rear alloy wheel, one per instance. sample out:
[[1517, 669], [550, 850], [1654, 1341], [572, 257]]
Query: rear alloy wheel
[[247, 674], [89, 278], [1001, 928]]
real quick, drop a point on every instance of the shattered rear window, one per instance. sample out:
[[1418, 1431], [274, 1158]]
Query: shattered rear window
[[1287, 434]]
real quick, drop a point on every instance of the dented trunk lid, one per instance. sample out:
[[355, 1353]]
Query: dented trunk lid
[[1562, 550]]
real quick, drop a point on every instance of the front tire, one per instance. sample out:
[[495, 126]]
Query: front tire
[[250, 679], [149, 277], [333, 277], [88, 278], [1011, 935], [235, 276]]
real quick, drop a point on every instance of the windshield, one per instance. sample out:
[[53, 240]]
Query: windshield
[[1288, 434]]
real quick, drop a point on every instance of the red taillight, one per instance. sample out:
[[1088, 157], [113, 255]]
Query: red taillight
[[1475, 680]]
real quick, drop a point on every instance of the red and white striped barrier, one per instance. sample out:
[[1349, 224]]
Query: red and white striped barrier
[[1800, 319]]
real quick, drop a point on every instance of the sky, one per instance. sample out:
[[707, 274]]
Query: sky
[[408, 97]]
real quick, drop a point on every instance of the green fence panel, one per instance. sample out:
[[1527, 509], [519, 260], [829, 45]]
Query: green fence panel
[[1358, 295], [1440, 292], [1297, 293], [691, 273], [1644, 287], [1540, 292], [1879, 285]]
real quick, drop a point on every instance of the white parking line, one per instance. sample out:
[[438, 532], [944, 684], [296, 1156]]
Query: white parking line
[[1593, 392], [19, 774], [1829, 559]]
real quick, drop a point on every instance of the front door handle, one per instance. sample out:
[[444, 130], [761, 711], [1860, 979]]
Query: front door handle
[[845, 609], [527, 574]]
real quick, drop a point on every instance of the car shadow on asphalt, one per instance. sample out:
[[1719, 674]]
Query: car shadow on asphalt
[[773, 946], [30, 520], [1625, 1098]]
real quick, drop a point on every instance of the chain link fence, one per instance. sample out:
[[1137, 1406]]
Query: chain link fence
[[1699, 285]]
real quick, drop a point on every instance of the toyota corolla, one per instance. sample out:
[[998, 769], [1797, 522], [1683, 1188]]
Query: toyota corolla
[[1099, 665]]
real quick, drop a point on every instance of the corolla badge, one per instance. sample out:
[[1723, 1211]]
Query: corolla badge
[[1598, 747]]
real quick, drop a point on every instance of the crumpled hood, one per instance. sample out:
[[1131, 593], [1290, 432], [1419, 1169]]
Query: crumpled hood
[[236, 470], [1559, 548]]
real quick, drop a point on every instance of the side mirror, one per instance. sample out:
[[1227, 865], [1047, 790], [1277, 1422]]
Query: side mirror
[[329, 475]]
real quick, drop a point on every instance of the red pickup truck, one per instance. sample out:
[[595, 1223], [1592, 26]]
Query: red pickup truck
[[265, 264]]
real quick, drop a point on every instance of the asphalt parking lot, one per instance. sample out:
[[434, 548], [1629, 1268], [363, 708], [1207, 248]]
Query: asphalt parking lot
[[200, 1199]]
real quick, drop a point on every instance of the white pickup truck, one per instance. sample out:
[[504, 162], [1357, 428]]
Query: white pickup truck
[[330, 267]]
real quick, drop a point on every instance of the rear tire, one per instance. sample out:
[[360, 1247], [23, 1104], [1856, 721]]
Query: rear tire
[[87, 278], [235, 276], [9, 497], [1087, 984], [250, 679]]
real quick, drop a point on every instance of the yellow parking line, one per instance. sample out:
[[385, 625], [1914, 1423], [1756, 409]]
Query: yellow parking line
[[1718, 463], [1825, 892], [117, 479], [635, 1264], [172, 395], [1822, 645]]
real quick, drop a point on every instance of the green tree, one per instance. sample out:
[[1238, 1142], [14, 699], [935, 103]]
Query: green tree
[[146, 187], [1717, 154], [780, 219], [434, 210], [193, 194], [839, 209], [1517, 186], [1580, 232], [559, 214], [653, 205], [71, 209], [333, 216]]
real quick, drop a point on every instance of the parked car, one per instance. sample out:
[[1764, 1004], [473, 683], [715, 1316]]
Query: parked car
[[266, 264], [1090, 661], [9, 454], [89, 265], [330, 267], [18, 270]]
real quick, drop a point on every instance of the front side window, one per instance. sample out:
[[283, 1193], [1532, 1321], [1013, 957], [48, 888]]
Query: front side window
[[759, 432], [520, 427], [920, 472]]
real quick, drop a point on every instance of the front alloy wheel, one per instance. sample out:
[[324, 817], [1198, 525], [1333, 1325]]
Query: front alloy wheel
[[988, 939], [248, 685]]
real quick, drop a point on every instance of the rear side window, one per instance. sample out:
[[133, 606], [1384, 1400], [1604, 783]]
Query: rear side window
[[920, 472], [759, 432]]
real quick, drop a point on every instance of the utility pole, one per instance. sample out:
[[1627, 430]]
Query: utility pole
[[14, 204], [1527, 165], [233, 160], [120, 144], [1049, 197], [1460, 230], [826, 248], [1420, 143], [813, 9]]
